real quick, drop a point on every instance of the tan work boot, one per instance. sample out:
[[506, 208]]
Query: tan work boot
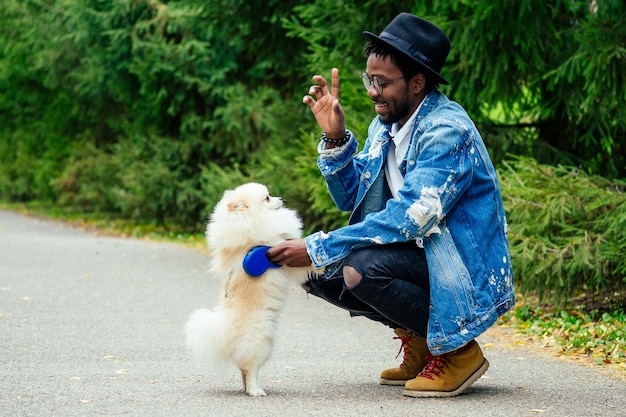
[[449, 374], [414, 360]]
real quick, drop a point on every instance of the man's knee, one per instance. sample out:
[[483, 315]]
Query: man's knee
[[351, 277]]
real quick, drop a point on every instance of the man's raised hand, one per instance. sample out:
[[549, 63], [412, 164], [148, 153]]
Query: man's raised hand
[[325, 106]]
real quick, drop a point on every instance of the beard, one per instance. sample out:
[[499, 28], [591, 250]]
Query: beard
[[399, 110]]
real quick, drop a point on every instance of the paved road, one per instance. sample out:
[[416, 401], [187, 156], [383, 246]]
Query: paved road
[[92, 326]]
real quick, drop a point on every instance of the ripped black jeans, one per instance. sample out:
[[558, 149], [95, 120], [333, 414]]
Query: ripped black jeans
[[394, 287]]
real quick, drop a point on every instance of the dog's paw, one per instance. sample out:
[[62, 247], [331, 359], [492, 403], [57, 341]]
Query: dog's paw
[[256, 392]]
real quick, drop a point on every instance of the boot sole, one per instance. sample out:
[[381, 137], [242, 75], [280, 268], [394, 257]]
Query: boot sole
[[440, 394], [395, 382]]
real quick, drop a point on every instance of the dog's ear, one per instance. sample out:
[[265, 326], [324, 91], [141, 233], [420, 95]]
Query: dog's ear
[[240, 205]]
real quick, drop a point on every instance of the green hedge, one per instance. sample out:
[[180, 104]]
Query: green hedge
[[567, 231]]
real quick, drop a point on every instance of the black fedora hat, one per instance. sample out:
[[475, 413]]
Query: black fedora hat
[[419, 40]]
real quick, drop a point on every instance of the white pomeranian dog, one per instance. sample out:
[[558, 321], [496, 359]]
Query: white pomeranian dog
[[240, 329]]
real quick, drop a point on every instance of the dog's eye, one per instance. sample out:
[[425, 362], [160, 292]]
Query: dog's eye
[[267, 199]]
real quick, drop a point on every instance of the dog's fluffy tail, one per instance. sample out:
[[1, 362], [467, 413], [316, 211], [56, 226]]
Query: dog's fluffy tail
[[206, 333]]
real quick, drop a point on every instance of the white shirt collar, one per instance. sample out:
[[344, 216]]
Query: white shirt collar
[[401, 137]]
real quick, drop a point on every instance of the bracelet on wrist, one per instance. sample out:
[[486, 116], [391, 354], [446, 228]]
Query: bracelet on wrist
[[336, 142]]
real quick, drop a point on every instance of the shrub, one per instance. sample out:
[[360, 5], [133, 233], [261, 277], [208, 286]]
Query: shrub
[[567, 230]]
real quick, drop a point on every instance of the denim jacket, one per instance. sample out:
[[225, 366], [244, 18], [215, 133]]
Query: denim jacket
[[450, 205]]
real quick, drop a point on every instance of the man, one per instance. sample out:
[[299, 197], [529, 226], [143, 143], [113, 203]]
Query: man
[[425, 251]]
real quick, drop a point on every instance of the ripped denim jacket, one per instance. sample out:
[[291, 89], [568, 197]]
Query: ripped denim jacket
[[450, 204]]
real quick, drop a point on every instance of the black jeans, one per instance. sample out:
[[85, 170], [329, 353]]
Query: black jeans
[[394, 288]]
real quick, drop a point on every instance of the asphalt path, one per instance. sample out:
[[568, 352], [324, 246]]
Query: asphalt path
[[92, 325]]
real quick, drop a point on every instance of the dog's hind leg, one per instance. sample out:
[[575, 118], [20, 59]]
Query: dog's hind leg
[[250, 383]]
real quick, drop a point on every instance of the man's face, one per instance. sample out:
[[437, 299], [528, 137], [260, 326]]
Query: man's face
[[395, 103]]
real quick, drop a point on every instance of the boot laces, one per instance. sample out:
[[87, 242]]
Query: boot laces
[[406, 346], [435, 367]]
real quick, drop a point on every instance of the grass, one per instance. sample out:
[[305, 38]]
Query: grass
[[598, 336]]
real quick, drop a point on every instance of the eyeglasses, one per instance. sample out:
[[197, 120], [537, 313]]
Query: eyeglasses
[[376, 82]]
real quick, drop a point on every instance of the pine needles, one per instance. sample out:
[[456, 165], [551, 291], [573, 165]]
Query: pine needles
[[567, 231]]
